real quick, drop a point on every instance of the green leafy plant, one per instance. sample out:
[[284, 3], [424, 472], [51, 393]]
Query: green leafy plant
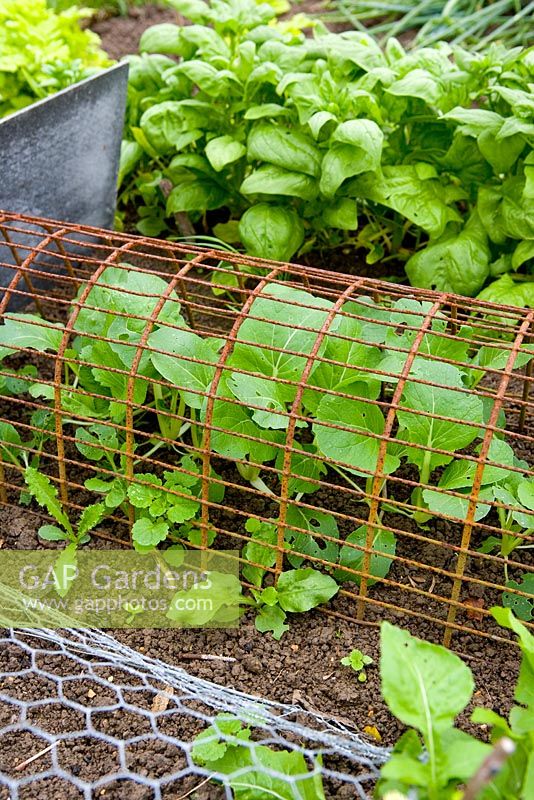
[[517, 777], [296, 591], [21, 454], [338, 428], [42, 52], [226, 748], [357, 661], [426, 687], [114, 7], [221, 602], [45, 493], [513, 492], [297, 139], [41, 488]]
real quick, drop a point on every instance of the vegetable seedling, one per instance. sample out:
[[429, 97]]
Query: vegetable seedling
[[226, 747], [45, 493], [357, 661], [297, 590]]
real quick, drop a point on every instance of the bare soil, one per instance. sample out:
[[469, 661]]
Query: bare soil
[[120, 35]]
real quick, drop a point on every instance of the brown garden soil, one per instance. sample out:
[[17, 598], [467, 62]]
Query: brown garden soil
[[120, 35], [302, 668]]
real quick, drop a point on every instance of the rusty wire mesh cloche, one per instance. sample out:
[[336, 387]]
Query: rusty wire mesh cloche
[[376, 432]]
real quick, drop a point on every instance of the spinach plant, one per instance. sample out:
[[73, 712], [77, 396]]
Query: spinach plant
[[426, 686], [423, 158], [296, 591], [517, 777]]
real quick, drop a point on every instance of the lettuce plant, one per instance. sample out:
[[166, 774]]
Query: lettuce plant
[[42, 52], [312, 143]]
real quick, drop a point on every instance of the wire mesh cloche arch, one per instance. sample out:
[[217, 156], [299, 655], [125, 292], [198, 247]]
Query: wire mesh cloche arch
[[375, 433]]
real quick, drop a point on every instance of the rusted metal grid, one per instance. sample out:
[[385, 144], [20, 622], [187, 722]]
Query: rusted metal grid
[[437, 574]]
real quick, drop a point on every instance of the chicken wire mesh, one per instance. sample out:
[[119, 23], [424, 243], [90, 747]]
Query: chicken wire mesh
[[372, 431], [85, 716]]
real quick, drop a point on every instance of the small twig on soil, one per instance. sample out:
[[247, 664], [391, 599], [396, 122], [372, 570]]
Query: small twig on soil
[[195, 788], [205, 657], [30, 760], [298, 698]]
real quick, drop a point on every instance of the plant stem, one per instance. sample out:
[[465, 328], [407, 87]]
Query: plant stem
[[346, 477], [424, 477], [162, 421], [194, 430], [257, 483]]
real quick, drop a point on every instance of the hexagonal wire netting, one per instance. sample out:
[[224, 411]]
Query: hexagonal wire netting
[[84, 716], [373, 430]]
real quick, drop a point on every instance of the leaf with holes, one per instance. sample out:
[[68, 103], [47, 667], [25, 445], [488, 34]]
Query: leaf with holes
[[319, 528], [523, 607], [234, 433]]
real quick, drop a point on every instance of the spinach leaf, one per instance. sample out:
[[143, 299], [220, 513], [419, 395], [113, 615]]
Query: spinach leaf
[[271, 231]]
